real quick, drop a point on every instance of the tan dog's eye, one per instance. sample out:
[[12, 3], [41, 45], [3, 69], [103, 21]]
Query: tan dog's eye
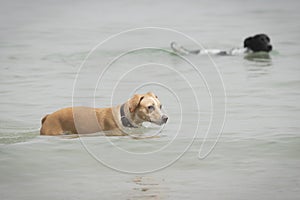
[[150, 108], [160, 106]]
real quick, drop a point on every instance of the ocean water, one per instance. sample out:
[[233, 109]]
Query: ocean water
[[233, 129]]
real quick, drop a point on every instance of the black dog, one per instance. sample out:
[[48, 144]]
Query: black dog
[[256, 43], [259, 42]]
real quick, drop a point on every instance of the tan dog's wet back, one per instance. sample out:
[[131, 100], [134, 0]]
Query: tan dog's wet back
[[113, 121]]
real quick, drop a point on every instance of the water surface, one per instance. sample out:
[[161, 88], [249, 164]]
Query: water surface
[[44, 43]]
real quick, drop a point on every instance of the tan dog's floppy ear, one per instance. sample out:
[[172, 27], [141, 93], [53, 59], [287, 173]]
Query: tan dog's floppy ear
[[152, 94], [134, 102]]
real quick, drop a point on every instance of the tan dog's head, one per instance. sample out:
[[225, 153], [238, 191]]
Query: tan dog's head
[[146, 108]]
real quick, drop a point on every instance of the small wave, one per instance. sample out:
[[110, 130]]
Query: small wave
[[9, 137]]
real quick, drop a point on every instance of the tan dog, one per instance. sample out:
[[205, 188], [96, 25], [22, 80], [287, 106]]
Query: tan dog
[[112, 121]]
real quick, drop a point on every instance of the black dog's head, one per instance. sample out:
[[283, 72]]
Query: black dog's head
[[259, 42]]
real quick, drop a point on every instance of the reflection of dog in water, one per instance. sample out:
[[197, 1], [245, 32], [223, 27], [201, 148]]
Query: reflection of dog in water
[[256, 43]]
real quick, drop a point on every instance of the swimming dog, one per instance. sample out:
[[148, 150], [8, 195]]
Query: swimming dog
[[256, 43], [112, 121]]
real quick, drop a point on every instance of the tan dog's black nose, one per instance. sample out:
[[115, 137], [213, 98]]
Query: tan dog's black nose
[[164, 118]]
